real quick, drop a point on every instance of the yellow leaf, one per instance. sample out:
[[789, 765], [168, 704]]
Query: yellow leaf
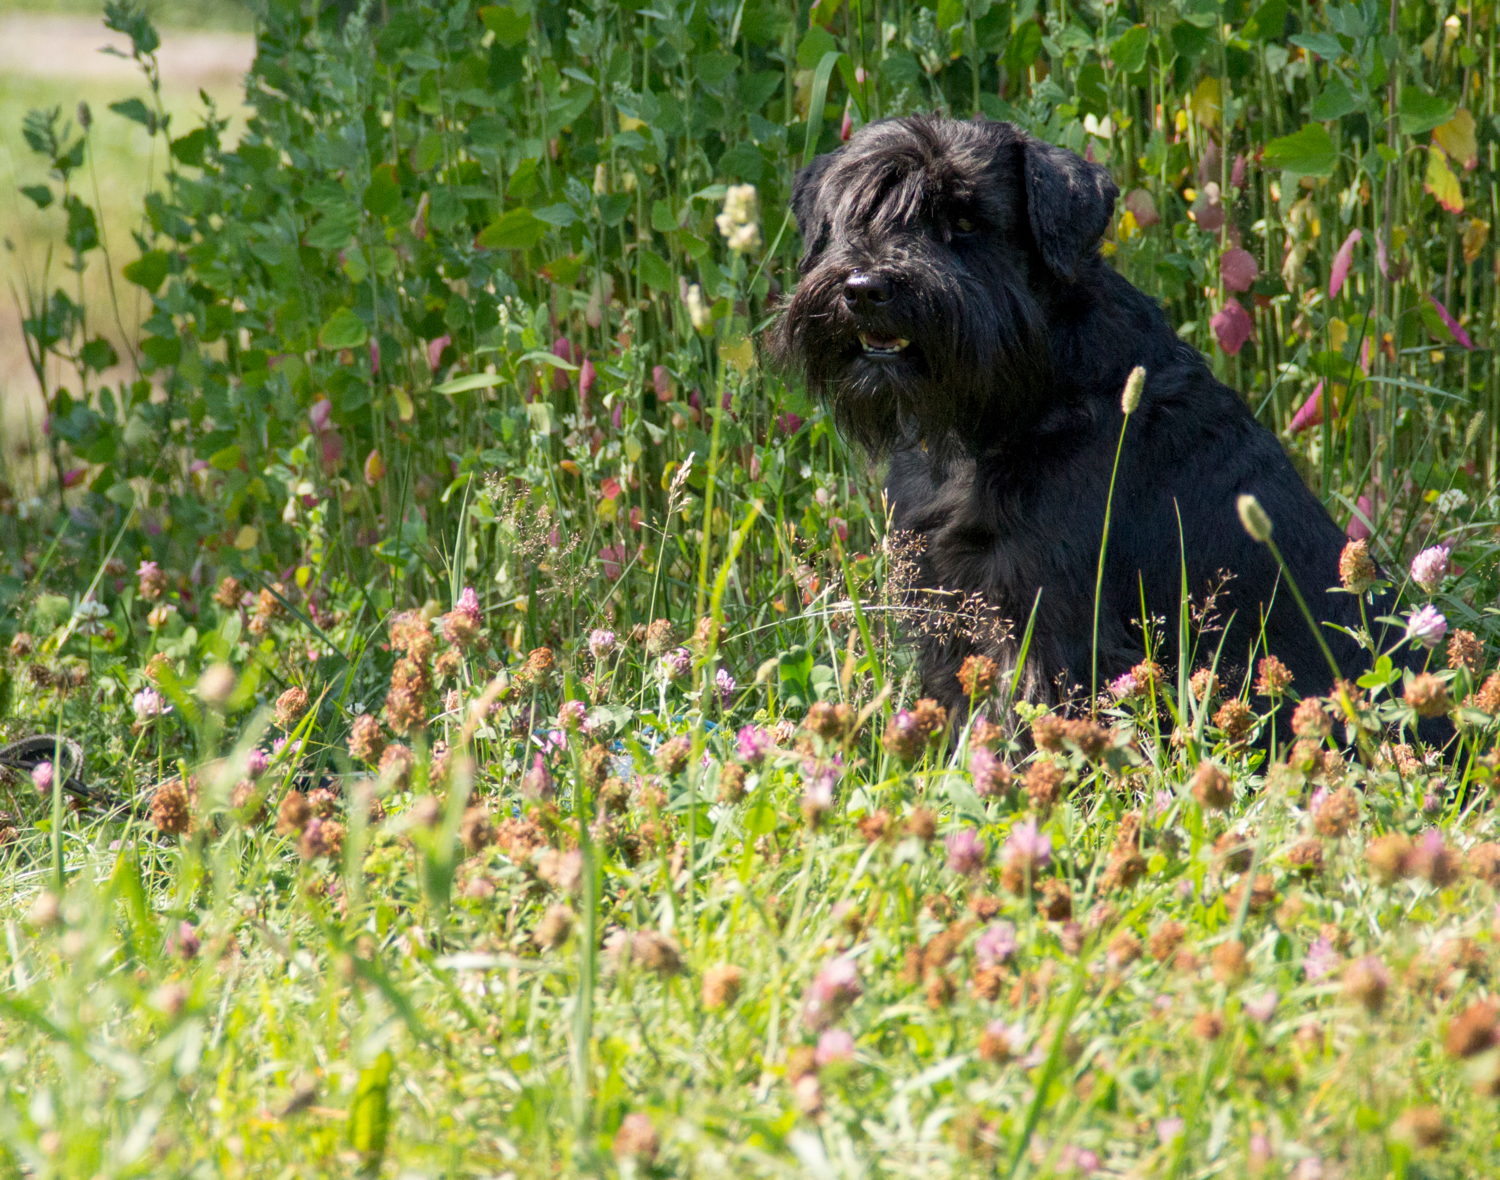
[[739, 353], [1476, 234], [403, 403], [245, 539], [1442, 183], [1205, 103], [1456, 137], [1338, 334], [629, 124]]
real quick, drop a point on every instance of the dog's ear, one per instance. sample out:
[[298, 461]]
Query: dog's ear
[[806, 186], [1070, 202]]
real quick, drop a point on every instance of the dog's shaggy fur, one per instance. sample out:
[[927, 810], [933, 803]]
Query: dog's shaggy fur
[[955, 314]]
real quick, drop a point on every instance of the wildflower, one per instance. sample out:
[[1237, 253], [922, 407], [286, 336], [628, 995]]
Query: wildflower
[[42, 777], [1235, 718], [1484, 863], [676, 664], [1231, 964], [293, 813], [1252, 515], [1434, 861], [1273, 678], [1465, 652], [461, 625], [601, 644], [152, 581], [753, 743], [875, 826], [1427, 695], [1356, 567], [1208, 1026], [833, 989], [966, 852], [321, 837], [1212, 787], [902, 738], [659, 636], [996, 945], [672, 755], [160, 615], [1306, 856], [1389, 857], [1124, 687], [1056, 902], [1430, 567], [216, 683], [87, 617], [636, 1139], [699, 313], [1334, 814], [977, 677], [738, 223], [1000, 1042], [1473, 1031], [573, 715], [726, 685], [1262, 1007], [1426, 626], [229, 592], [1451, 500], [721, 985], [830, 722], [1124, 949], [1320, 961], [991, 776], [171, 808], [835, 1047], [1421, 1126], [366, 742], [1043, 785], [1169, 1131], [1366, 981], [404, 711], [555, 926], [1487, 699], [257, 762], [475, 831], [1027, 853], [1204, 685], [536, 783], [290, 706], [1165, 940]]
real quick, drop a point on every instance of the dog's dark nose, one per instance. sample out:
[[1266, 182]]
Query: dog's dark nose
[[865, 291]]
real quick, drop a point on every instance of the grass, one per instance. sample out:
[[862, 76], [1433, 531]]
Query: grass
[[511, 751]]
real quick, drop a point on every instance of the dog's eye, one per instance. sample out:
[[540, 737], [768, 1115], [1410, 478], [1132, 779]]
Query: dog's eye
[[963, 225]]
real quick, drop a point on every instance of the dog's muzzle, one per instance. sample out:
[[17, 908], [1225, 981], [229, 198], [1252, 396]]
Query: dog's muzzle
[[866, 295]]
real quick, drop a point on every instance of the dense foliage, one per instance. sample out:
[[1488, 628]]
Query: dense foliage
[[503, 759]]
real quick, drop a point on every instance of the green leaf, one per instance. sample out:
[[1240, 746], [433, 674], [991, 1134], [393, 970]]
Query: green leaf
[[189, 148], [509, 26], [344, 329], [1267, 22], [1422, 112], [370, 1115], [655, 273], [98, 354], [40, 194], [519, 229], [137, 112], [429, 151], [815, 44], [383, 193], [1325, 45], [1129, 50], [164, 351], [1334, 103], [227, 459], [1308, 152]]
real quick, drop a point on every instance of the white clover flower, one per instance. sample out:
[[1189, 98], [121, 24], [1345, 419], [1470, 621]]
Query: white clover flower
[[1451, 501], [698, 311], [739, 222]]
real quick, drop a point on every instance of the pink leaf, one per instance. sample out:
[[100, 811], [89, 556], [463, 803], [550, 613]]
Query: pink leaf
[[1310, 413], [435, 351], [1452, 324], [1364, 511], [1238, 269], [1341, 260], [1380, 257], [1237, 172], [1232, 326], [1142, 208]]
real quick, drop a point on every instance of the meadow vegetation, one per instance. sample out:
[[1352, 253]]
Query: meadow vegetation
[[482, 741]]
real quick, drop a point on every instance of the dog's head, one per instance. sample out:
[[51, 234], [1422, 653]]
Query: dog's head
[[930, 246]]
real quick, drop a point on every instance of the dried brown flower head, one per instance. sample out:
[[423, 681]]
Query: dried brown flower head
[[1432, 860], [672, 755], [321, 837], [228, 592], [1208, 1026], [1311, 721], [1236, 719], [554, 927], [1230, 962], [1124, 949], [977, 677], [1484, 863], [1044, 780], [831, 722], [366, 742], [290, 706], [1306, 856], [721, 985], [875, 826], [1262, 894], [655, 952], [475, 830], [1367, 982], [636, 1139], [1056, 900], [171, 808], [731, 782], [1389, 857], [1466, 652], [1473, 1031], [922, 824], [1234, 850], [1273, 677], [1213, 789], [1427, 695], [1356, 567], [1487, 699], [1421, 1126], [1165, 940], [293, 813], [1337, 813]]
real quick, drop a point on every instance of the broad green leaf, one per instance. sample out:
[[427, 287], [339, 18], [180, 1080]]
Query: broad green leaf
[[655, 273], [470, 381], [40, 195], [509, 26], [1308, 152], [189, 148], [519, 229], [1334, 103], [148, 270], [428, 151], [1129, 50], [1267, 22], [136, 111], [344, 329], [1442, 182], [814, 45], [383, 193], [370, 1116], [1422, 112]]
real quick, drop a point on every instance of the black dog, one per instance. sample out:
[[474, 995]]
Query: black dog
[[954, 312]]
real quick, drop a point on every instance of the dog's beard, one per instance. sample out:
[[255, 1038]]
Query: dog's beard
[[960, 363]]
